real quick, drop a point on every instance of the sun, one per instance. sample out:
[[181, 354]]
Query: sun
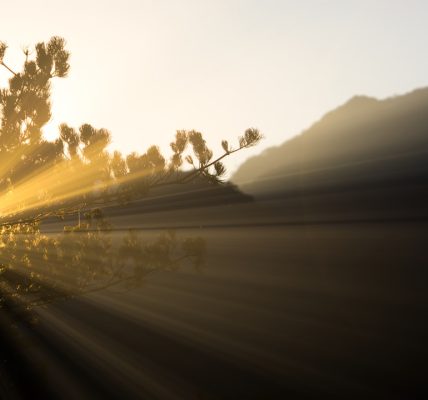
[[51, 129], [60, 113]]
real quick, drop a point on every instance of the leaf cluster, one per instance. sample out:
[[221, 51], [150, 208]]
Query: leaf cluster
[[76, 172]]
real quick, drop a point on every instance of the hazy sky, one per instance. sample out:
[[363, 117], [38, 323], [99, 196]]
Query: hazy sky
[[144, 69]]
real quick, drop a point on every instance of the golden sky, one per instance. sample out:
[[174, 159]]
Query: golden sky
[[143, 69]]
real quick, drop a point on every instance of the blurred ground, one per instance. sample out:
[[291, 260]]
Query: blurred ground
[[321, 295]]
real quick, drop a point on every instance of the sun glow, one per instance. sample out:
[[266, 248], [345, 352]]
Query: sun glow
[[60, 110], [51, 129]]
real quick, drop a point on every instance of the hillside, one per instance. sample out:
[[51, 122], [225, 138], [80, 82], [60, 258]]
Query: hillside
[[364, 141]]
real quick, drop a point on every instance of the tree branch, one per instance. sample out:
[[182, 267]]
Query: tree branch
[[9, 69]]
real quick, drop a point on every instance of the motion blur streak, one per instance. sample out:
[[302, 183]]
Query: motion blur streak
[[313, 287], [317, 304]]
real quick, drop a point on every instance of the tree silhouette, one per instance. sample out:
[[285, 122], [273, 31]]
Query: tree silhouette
[[75, 172]]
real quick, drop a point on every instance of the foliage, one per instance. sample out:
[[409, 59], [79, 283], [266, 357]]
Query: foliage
[[41, 178], [38, 268]]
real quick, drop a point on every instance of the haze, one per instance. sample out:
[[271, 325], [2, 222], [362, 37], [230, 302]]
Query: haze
[[144, 69]]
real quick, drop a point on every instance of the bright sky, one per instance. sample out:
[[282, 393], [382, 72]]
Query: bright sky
[[145, 68]]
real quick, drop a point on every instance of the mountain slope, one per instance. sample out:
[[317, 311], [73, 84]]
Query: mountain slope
[[365, 140]]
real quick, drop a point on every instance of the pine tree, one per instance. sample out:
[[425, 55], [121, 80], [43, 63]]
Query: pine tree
[[41, 178]]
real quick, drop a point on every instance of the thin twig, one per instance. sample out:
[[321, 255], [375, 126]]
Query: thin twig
[[9, 69]]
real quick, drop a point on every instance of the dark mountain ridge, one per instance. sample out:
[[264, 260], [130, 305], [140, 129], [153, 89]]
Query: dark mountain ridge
[[365, 138]]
